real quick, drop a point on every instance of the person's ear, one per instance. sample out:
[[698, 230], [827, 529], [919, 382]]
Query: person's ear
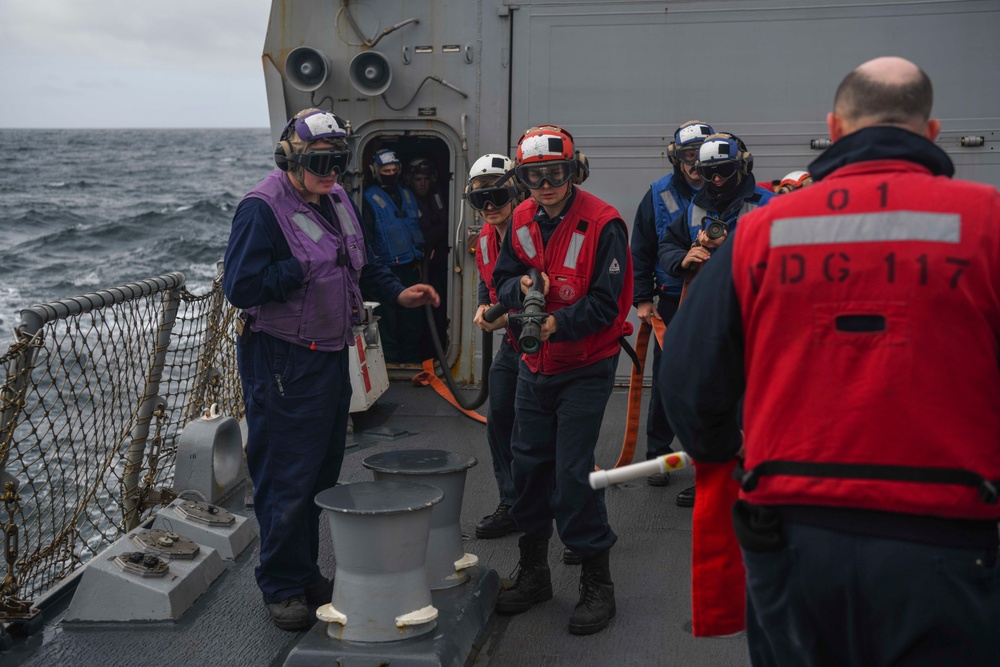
[[932, 129], [835, 125]]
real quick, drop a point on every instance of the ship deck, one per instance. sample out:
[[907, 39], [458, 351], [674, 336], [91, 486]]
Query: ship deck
[[650, 566]]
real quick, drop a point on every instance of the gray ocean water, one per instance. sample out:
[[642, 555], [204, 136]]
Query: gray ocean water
[[82, 210]]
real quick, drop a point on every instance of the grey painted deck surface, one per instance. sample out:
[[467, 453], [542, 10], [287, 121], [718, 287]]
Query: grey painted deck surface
[[650, 567]]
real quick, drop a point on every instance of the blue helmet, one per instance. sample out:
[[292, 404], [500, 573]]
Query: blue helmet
[[688, 137], [723, 154], [384, 157]]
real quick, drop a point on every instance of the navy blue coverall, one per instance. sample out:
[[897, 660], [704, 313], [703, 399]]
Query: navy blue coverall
[[558, 417], [649, 283], [297, 401], [500, 409]]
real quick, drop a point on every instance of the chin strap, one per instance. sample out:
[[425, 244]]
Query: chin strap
[[569, 191]]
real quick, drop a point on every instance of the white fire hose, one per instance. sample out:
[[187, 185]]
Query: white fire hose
[[600, 479]]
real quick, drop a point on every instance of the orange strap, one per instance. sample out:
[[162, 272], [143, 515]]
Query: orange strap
[[427, 377], [659, 330], [634, 397]]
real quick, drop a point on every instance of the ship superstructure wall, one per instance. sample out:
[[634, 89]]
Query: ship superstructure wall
[[621, 76]]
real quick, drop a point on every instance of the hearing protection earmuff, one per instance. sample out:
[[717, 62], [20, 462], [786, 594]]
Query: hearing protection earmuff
[[283, 150], [582, 168]]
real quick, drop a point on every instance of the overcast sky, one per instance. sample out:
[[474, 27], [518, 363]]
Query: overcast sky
[[132, 63]]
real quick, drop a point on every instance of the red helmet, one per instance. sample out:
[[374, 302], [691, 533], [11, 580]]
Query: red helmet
[[544, 143], [793, 181]]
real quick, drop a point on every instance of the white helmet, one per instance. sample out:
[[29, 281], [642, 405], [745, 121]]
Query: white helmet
[[491, 164]]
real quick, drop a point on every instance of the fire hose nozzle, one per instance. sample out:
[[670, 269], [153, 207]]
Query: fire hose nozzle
[[600, 479]]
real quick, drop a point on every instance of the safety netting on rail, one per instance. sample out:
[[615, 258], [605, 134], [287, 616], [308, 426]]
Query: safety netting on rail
[[96, 391]]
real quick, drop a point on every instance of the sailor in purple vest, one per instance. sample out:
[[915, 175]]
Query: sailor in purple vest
[[295, 263]]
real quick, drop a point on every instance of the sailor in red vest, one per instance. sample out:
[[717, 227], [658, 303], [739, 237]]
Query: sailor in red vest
[[580, 244], [859, 319], [495, 205]]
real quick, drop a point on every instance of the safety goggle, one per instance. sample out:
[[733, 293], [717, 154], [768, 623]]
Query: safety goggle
[[321, 163], [498, 197], [724, 170], [687, 155], [556, 173]]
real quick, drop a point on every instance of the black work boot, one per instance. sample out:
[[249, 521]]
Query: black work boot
[[532, 583], [497, 524], [291, 613], [686, 497], [571, 558], [596, 607]]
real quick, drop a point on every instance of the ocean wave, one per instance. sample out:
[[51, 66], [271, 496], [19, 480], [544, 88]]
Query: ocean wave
[[84, 223], [70, 184]]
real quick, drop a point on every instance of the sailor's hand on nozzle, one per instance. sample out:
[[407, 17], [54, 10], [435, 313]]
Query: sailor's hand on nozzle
[[646, 311], [418, 295], [526, 284], [695, 256], [549, 326], [480, 321]]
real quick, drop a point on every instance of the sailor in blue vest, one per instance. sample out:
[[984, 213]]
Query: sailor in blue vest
[[656, 293], [295, 263], [391, 218], [726, 168]]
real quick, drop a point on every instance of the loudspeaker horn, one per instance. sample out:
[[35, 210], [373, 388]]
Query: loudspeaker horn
[[306, 68], [370, 73]]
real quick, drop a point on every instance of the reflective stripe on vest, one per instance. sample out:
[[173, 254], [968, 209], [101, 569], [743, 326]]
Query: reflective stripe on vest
[[669, 201], [573, 250], [524, 236], [345, 217], [310, 228], [484, 248], [862, 227]]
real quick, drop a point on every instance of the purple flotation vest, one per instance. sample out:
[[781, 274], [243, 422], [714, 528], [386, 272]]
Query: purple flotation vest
[[319, 314]]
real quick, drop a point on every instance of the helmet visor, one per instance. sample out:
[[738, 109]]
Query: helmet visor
[[498, 197], [724, 170], [322, 163], [555, 172]]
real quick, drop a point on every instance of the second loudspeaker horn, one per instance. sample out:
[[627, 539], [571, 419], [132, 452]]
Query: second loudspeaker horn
[[370, 73]]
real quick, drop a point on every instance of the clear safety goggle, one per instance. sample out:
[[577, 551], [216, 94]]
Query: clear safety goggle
[[556, 173], [687, 155]]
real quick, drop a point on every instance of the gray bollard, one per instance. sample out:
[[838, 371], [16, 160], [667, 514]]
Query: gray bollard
[[446, 557], [210, 457], [379, 531]]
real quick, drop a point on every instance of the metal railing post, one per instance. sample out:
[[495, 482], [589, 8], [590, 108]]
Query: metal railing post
[[144, 414]]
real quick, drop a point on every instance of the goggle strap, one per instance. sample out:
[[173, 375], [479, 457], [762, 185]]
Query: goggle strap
[[506, 177]]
